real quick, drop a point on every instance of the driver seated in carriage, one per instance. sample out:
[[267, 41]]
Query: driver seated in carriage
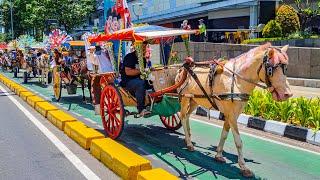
[[131, 81], [61, 59]]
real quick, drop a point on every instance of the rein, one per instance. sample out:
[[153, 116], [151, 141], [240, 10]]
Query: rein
[[241, 77]]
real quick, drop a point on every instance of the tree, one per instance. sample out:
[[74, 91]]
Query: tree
[[308, 11], [30, 16], [288, 19], [70, 13]]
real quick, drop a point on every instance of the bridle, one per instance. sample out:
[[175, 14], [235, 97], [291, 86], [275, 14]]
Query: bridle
[[270, 68]]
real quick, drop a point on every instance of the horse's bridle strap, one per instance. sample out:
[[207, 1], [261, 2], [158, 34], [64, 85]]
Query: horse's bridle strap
[[243, 78]]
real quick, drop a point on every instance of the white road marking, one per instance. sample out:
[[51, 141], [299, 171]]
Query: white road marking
[[93, 122], [88, 173], [77, 114], [261, 138]]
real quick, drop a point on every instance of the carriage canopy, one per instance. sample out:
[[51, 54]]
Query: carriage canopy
[[143, 33], [3, 46]]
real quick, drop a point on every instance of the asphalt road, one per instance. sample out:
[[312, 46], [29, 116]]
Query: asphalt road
[[26, 153], [269, 156]]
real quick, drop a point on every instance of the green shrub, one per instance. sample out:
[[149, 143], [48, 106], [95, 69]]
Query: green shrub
[[298, 111], [260, 40], [301, 111], [272, 29], [314, 118], [285, 110], [296, 35], [288, 19]]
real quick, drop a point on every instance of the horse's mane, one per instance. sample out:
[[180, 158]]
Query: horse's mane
[[247, 57]]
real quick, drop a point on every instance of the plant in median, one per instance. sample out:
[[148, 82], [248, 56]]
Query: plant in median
[[301, 110], [314, 119], [255, 103], [270, 109], [285, 110]]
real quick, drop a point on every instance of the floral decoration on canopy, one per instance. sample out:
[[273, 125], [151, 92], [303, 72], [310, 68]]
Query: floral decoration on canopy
[[25, 41], [57, 38]]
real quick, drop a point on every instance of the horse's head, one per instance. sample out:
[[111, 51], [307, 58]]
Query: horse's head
[[273, 73]]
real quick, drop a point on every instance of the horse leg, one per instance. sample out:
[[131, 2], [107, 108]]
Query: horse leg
[[185, 106], [89, 88], [82, 87], [223, 137], [246, 172], [192, 107]]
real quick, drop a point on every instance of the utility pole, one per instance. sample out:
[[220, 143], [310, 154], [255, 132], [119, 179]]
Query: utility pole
[[12, 33]]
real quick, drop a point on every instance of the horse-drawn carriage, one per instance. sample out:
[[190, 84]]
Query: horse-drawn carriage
[[72, 73], [114, 99]]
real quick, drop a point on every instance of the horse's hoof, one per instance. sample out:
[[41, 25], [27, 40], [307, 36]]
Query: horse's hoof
[[247, 173], [190, 148], [220, 159]]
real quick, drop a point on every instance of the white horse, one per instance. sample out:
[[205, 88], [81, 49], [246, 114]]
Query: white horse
[[240, 76], [43, 67]]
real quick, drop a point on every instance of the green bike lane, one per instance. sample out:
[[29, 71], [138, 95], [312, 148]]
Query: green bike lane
[[268, 160]]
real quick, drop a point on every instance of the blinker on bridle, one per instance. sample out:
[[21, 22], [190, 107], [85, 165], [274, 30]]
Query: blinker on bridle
[[270, 68]]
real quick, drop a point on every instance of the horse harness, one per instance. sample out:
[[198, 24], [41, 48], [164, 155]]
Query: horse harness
[[269, 70]]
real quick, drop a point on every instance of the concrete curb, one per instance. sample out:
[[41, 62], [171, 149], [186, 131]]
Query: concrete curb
[[314, 83], [124, 162], [271, 126]]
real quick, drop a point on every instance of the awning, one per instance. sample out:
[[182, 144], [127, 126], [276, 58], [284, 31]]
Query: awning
[[143, 33], [76, 43], [3, 46]]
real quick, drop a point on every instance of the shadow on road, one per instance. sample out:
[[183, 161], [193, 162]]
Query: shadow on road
[[159, 141]]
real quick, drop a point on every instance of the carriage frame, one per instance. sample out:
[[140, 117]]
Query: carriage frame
[[114, 98]]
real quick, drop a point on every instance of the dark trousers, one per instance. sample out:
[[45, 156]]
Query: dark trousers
[[137, 88]]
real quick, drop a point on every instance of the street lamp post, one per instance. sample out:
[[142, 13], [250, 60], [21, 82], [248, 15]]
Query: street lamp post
[[12, 33]]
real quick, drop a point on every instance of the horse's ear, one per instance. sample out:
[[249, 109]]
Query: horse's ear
[[271, 53], [284, 48]]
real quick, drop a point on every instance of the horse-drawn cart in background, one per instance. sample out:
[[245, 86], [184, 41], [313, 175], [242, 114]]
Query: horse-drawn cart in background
[[114, 98], [75, 76]]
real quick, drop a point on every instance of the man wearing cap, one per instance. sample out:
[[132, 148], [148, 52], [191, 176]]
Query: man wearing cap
[[130, 79]]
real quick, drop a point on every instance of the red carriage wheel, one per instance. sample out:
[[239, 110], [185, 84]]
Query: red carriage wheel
[[112, 111], [172, 123]]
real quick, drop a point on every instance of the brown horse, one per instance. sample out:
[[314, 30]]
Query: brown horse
[[262, 64]]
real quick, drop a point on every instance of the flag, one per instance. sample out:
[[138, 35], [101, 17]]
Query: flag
[[122, 9]]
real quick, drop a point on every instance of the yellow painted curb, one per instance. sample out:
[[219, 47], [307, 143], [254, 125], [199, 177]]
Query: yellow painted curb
[[59, 118], [68, 125], [26, 94], [84, 136], [95, 148], [156, 174], [14, 86], [33, 100], [121, 160], [44, 107], [19, 90]]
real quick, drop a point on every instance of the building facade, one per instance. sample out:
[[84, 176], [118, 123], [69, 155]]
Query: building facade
[[220, 16]]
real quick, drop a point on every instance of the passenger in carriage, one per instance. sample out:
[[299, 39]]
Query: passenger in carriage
[[131, 81], [103, 58]]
